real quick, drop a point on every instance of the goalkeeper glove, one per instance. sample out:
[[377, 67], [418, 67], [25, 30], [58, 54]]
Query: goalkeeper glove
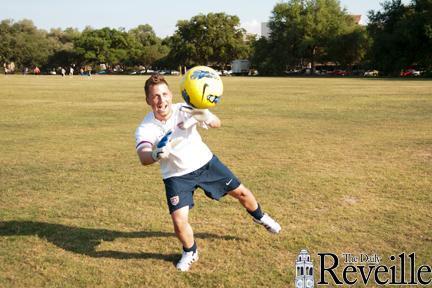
[[165, 146], [198, 115]]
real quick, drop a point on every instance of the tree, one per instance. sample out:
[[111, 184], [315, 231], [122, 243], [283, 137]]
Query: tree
[[349, 48], [6, 39], [263, 58], [147, 47], [287, 31], [21, 42], [324, 20], [402, 35], [391, 34], [64, 53], [104, 45], [304, 31], [212, 39], [422, 33], [181, 52]]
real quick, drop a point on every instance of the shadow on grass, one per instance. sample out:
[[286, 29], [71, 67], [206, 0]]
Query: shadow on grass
[[85, 240]]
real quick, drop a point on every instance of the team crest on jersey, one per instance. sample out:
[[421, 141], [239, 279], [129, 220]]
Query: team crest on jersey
[[174, 200]]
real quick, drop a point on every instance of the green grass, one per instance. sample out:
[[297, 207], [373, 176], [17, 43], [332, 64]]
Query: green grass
[[345, 165]]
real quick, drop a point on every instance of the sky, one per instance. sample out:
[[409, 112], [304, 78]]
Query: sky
[[162, 15]]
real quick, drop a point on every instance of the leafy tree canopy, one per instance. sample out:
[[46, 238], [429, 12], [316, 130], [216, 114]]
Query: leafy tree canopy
[[212, 39]]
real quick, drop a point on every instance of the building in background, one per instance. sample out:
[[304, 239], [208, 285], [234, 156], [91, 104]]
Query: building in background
[[265, 30]]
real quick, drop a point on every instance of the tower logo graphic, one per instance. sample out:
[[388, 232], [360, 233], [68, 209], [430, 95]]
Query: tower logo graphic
[[304, 270]]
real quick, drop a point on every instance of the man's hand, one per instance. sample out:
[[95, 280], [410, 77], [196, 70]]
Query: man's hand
[[164, 147], [201, 115], [198, 115]]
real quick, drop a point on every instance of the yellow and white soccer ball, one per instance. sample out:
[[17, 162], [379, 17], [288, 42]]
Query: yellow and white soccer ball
[[201, 87]]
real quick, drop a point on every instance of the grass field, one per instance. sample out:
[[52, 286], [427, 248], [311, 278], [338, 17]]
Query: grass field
[[345, 165]]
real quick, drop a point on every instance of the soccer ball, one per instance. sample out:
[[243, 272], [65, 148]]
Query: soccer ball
[[201, 87]]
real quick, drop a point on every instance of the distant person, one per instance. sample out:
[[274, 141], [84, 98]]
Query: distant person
[[63, 71], [36, 70], [71, 71], [12, 67]]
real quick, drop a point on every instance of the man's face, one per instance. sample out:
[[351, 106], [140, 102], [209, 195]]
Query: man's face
[[160, 100]]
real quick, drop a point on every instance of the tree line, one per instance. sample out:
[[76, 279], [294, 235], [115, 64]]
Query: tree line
[[302, 33]]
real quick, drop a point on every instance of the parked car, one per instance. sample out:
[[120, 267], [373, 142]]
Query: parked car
[[224, 72], [103, 72], [371, 73], [168, 72], [143, 71], [410, 72], [294, 72], [338, 72], [358, 72], [137, 72]]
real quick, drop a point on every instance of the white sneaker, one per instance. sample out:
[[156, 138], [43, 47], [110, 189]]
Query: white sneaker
[[186, 260], [269, 223]]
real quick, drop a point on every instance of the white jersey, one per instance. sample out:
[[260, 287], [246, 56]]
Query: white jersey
[[189, 155]]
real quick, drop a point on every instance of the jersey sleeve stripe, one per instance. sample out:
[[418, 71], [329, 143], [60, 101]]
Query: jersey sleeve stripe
[[143, 142]]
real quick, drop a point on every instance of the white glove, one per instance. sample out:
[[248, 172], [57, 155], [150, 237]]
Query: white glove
[[165, 146], [198, 115]]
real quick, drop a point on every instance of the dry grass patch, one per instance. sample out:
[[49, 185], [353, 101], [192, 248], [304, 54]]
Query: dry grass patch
[[343, 164]]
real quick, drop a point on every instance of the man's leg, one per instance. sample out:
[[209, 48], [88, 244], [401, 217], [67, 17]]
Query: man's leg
[[247, 199], [182, 227], [184, 232]]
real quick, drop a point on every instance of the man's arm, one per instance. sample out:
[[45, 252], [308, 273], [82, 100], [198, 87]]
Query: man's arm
[[202, 116], [145, 155], [214, 122], [148, 155]]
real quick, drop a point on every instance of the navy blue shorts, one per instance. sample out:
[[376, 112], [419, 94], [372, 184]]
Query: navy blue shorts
[[214, 178]]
